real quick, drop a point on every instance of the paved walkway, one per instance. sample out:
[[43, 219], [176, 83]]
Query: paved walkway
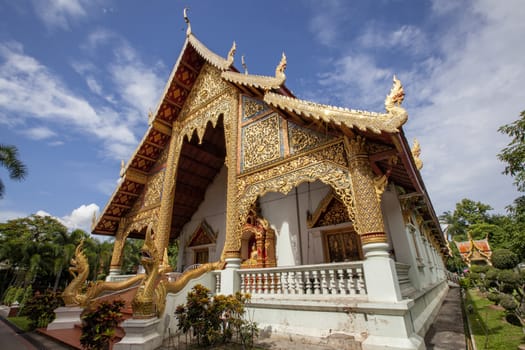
[[447, 332]]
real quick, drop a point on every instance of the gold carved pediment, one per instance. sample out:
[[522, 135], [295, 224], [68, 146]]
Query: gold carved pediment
[[202, 235], [330, 211], [208, 86], [303, 139]]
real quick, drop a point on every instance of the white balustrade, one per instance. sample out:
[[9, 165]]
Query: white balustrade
[[324, 279]]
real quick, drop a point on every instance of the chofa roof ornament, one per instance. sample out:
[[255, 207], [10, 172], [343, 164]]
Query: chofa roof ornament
[[187, 20], [394, 99]]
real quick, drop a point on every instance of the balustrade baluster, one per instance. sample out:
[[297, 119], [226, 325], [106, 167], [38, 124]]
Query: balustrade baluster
[[252, 282], [351, 282], [308, 282], [341, 277], [217, 283], [332, 284], [360, 281], [259, 283], [285, 282], [265, 283], [292, 283], [315, 275], [271, 288], [300, 282], [278, 287], [324, 283]]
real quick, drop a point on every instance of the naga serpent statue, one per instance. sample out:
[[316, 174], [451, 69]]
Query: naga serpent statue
[[150, 299], [79, 269]]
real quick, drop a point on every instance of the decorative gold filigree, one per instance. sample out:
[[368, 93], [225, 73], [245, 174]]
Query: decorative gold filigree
[[361, 120], [259, 81], [153, 190], [206, 88], [416, 152], [261, 142], [368, 215], [380, 183], [327, 164], [252, 107], [210, 56], [302, 139]]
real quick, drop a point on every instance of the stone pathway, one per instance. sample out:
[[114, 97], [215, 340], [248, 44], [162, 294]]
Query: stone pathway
[[447, 332]]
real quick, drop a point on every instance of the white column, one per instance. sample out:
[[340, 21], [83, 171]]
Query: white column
[[230, 283], [380, 274]]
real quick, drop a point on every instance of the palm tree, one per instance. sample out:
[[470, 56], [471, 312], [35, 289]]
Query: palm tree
[[9, 159]]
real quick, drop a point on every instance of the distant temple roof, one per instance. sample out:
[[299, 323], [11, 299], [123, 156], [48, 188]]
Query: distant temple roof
[[475, 251]]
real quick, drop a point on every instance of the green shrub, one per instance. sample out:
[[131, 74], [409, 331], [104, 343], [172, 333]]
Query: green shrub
[[98, 325], [465, 283], [40, 308], [508, 303], [504, 259], [215, 320], [494, 297], [479, 268]]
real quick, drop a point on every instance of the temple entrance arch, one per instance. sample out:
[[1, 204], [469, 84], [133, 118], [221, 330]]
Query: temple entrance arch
[[285, 177]]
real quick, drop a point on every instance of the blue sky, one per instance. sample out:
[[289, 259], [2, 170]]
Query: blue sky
[[77, 78]]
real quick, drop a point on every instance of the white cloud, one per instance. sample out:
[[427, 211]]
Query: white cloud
[[30, 90], [81, 217], [93, 85], [327, 18], [476, 88], [39, 133], [360, 75], [405, 37], [460, 89], [6, 215], [59, 13]]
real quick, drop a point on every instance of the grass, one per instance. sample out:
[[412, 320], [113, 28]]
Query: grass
[[488, 324], [21, 322]]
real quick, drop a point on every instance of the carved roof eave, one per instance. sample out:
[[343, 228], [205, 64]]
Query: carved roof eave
[[255, 81], [208, 55], [362, 120], [137, 178]]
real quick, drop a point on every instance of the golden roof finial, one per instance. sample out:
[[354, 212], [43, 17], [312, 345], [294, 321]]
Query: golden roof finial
[[122, 168], [416, 152], [231, 53], [187, 20], [244, 66], [281, 67], [150, 117], [396, 95], [93, 220]]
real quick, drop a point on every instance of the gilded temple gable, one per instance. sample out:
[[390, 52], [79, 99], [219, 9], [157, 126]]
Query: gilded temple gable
[[202, 235], [330, 211]]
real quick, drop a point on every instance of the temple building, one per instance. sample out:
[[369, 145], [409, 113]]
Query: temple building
[[319, 212], [475, 252]]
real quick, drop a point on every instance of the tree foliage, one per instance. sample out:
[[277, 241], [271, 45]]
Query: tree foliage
[[504, 259], [514, 154], [9, 160], [466, 214]]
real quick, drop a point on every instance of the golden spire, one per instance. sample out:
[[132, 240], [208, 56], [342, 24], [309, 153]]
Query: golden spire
[[244, 66], [416, 152], [122, 168], [231, 53], [187, 20], [281, 67], [93, 220], [150, 117]]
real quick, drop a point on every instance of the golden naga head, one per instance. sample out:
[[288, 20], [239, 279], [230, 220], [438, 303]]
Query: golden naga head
[[231, 53], [149, 257], [396, 95], [281, 67]]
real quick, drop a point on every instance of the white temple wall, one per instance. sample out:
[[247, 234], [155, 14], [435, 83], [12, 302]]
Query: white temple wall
[[213, 210], [399, 237], [281, 211]]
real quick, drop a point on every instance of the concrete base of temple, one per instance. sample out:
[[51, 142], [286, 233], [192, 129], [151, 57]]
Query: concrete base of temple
[[415, 342], [66, 317], [140, 335]]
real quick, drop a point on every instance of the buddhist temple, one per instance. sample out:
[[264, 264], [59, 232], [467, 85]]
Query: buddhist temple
[[475, 252], [319, 212]]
